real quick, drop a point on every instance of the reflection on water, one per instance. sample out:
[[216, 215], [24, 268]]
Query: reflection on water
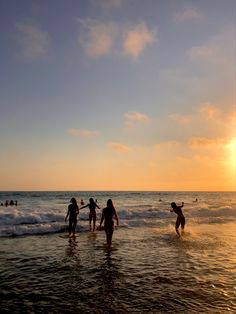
[[148, 271]]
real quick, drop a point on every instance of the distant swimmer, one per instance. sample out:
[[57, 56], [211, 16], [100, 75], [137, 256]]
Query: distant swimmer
[[108, 213], [73, 211], [92, 214], [81, 202], [180, 216], [195, 200]]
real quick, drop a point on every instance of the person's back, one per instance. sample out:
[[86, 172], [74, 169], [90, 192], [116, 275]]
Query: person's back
[[108, 215], [73, 209]]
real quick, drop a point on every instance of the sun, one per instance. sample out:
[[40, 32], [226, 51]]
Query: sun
[[231, 147]]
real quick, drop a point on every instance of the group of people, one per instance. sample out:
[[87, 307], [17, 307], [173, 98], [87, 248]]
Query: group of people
[[11, 203], [108, 214]]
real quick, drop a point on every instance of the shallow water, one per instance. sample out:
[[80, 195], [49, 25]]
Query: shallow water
[[146, 270], [149, 269]]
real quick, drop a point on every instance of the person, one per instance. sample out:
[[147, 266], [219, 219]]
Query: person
[[107, 216], [73, 211], [92, 214], [180, 216]]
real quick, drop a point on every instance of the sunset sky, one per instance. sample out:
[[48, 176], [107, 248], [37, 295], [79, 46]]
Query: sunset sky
[[118, 95]]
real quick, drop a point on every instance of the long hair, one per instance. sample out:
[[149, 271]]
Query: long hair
[[110, 204], [73, 201], [91, 201]]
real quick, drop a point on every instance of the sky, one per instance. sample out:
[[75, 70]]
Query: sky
[[118, 95]]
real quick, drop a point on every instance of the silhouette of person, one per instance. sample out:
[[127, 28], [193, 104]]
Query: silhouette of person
[[82, 202], [73, 211], [107, 216], [6, 203], [92, 214], [11, 203], [180, 216]]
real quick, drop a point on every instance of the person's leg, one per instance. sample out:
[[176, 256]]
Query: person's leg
[[182, 224], [177, 226], [90, 220], [70, 227], [74, 226], [94, 222]]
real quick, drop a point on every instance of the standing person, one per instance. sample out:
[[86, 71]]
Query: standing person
[[107, 216], [92, 214], [73, 211], [180, 216]]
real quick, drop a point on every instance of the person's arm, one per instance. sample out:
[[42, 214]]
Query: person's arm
[[102, 218], [182, 205], [67, 214], [116, 217], [84, 206], [97, 206]]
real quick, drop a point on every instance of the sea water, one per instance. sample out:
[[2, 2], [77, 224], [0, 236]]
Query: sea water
[[148, 269]]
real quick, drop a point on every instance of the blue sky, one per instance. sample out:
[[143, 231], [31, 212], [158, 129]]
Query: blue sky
[[117, 95]]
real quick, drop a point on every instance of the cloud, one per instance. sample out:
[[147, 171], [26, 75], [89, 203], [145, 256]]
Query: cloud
[[188, 14], [209, 111], [200, 53], [107, 5], [219, 49], [180, 119], [82, 132], [104, 38], [33, 40], [206, 143], [167, 145], [118, 147], [137, 39], [135, 117], [96, 38]]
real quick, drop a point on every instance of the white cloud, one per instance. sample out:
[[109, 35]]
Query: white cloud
[[188, 14], [131, 118], [137, 39], [200, 53], [118, 147], [33, 40], [96, 38], [180, 119], [82, 132], [219, 49]]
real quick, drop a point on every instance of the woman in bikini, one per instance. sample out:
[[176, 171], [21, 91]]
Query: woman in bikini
[[92, 214], [107, 216]]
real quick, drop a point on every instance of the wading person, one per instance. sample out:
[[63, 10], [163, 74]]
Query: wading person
[[92, 213], [73, 211], [108, 213], [180, 216]]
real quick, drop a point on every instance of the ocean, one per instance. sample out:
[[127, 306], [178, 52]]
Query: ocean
[[148, 269]]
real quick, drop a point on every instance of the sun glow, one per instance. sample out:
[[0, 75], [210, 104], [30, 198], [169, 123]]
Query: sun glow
[[231, 146]]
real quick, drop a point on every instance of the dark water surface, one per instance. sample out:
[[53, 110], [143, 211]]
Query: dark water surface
[[148, 270]]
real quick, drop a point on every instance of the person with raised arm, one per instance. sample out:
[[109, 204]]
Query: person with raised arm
[[180, 216], [92, 214]]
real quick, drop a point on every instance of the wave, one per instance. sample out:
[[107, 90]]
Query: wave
[[17, 221]]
